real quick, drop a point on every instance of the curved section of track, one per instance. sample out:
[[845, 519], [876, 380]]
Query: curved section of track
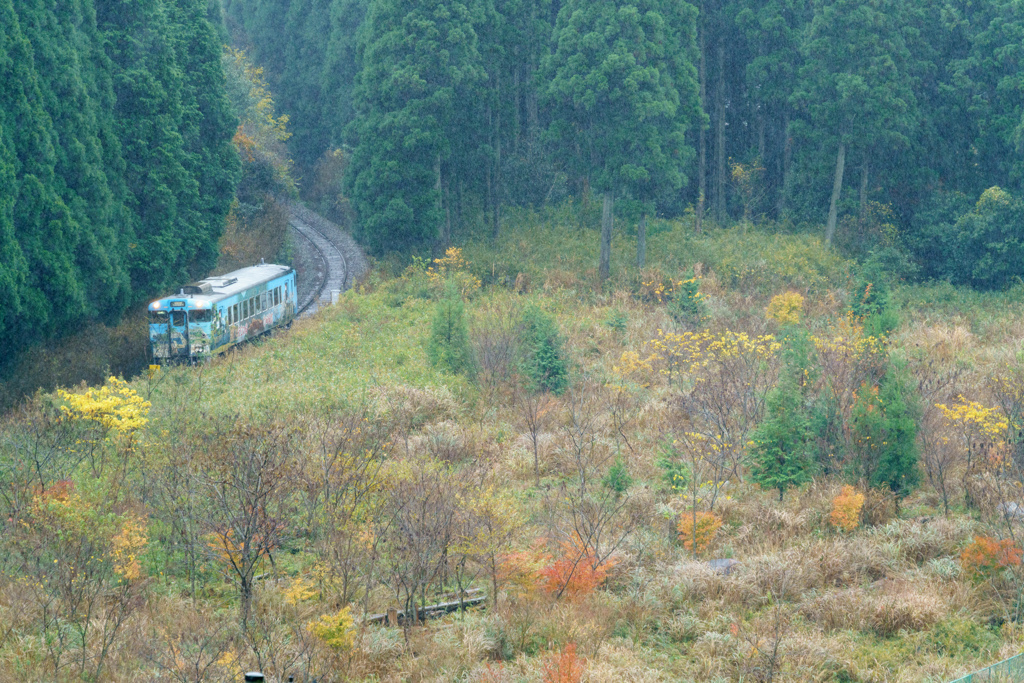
[[333, 268]]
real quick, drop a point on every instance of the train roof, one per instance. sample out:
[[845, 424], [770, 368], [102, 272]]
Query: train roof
[[218, 287]]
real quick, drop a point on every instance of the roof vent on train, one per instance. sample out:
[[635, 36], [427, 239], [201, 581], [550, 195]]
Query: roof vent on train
[[220, 281], [197, 288]]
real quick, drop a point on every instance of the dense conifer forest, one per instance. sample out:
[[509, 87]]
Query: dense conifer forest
[[883, 121], [116, 164]]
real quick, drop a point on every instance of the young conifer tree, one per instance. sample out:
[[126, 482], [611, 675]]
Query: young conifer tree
[[782, 450]]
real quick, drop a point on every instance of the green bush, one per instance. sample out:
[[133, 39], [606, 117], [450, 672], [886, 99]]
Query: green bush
[[675, 472], [448, 346], [543, 359]]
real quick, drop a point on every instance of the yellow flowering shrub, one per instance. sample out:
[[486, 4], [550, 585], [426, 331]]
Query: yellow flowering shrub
[[299, 590], [786, 308], [694, 353]]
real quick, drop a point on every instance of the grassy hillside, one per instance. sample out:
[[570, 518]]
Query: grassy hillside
[[251, 511]]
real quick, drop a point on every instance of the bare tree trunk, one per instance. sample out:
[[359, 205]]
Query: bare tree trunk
[[641, 242], [447, 214], [864, 192], [487, 175], [837, 188], [517, 120], [440, 199], [496, 199], [607, 220], [760, 133], [720, 137], [702, 163], [787, 156]]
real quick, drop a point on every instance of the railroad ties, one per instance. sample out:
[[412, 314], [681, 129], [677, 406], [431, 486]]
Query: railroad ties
[[341, 261]]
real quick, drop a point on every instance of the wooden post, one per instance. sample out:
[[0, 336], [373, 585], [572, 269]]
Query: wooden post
[[392, 616]]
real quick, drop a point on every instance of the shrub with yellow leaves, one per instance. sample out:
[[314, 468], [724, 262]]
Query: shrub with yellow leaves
[[336, 630], [452, 267], [786, 308], [126, 546], [114, 406]]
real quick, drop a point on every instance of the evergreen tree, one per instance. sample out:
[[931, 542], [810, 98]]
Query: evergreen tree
[[207, 126], [883, 427], [542, 356], [420, 64], [854, 86], [782, 454], [448, 347], [161, 191], [52, 296], [620, 84]]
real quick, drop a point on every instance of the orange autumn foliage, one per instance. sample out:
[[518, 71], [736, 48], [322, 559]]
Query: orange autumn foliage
[[564, 666], [575, 574], [846, 509], [698, 537], [986, 555], [520, 571]]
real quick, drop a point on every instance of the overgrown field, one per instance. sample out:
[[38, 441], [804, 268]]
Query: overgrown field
[[493, 422]]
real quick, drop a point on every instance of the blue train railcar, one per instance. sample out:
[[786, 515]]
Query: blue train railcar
[[210, 316]]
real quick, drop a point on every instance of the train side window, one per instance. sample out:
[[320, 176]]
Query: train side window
[[234, 314], [245, 309], [277, 295], [259, 303]]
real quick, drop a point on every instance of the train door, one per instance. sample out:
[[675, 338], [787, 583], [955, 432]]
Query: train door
[[179, 344]]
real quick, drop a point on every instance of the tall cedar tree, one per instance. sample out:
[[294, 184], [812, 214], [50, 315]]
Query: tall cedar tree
[[420, 65], [621, 90], [854, 86], [117, 171], [51, 294]]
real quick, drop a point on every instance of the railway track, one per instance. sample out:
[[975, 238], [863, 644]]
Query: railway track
[[333, 272]]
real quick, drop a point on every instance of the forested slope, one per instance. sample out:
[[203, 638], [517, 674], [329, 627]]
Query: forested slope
[[116, 163], [886, 120]]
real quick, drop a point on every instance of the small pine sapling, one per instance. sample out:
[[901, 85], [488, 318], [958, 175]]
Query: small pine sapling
[[687, 304], [543, 357], [782, 447], [617, 480], [448, 347]]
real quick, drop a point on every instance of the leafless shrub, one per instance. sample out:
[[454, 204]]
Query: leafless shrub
[[187, 645]]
